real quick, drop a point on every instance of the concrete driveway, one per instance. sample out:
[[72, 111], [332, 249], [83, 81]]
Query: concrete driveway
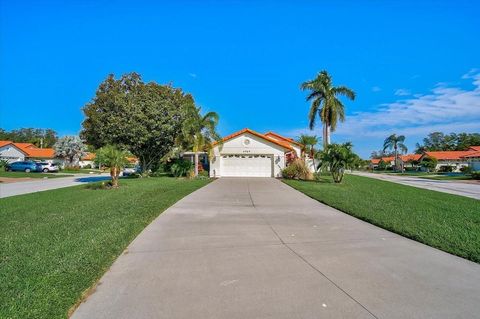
[[40, 184], [256, 248], [451, 187]]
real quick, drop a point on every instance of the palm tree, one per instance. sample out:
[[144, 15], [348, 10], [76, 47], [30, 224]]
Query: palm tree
[[309, 142], [199, 134], [325, 103], [395, 142], [115, 159]]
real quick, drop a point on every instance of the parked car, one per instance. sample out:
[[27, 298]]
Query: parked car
[[130, 170], [23, 166], [47, 167]]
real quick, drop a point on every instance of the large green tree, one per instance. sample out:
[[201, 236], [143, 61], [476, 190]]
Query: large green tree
[[438, 141], [325, 103], [36, 136], [145, 118]]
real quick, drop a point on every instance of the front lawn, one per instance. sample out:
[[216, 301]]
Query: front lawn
[[31, 175], [447, 222], [54, 245]]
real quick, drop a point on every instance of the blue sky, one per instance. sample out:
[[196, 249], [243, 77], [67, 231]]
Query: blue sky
[[414, 66]]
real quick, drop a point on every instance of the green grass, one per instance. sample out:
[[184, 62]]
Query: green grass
[[54, 245], [30, 175], [447, 222]]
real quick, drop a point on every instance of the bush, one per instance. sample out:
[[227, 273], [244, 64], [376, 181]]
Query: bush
[[99, 185], [466, 169], [297, 170], [3, 163], [88, 166], [181, 167], [475, 174], [446, 169]]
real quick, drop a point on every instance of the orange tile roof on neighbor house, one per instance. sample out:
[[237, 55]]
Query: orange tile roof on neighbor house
[[448, 155], [282, 143], [89, 157], [31, 150], [404, 158]]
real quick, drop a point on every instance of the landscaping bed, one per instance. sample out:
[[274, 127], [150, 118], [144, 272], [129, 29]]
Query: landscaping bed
[[444, 221], [54, 245]]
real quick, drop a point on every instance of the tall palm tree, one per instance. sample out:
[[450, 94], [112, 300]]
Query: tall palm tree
[[395, 142], [309, 142], [325, 103], [199, 134]]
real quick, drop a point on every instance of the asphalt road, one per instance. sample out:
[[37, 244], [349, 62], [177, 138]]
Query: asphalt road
[[39, 185], [256, 248], [451, 187]]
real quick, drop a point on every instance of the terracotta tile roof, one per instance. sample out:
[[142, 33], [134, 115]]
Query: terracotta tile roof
[[411, 157], [474, 148], [3, 143], [89, 157], [448, 155], [281, 143], [24, 145], [472, 154], [375, 160], [286, 139], [39, 152]]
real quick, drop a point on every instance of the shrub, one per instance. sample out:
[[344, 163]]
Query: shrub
[[88, 166], [429, 163], [181, 167], [466, 169], [99, 185], [297, 170], [446, 169], [475, 174], [3, 163]]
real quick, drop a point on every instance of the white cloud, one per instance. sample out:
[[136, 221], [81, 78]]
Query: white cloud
[[376, 89], [402, 92], [446, 108], [193, 75]]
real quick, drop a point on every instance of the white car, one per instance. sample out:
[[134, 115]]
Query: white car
[[47, 167]]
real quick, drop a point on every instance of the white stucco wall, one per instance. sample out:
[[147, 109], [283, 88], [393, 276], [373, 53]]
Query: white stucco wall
[[257, 146], [11, 154]]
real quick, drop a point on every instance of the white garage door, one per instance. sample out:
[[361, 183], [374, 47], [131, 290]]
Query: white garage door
[[246, 165]]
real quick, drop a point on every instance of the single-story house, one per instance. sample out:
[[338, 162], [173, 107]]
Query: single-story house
[[455, 159], [14, 152], [404, 160], [473, 158], [249, 153], [88, 159]]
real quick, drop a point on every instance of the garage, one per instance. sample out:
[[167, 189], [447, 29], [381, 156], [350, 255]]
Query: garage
[[246, 165]]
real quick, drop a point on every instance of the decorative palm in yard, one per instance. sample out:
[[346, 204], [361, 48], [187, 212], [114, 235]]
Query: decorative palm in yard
[[309, 142], [336, 158], [325, 103], [199, 134], [115, 159], [395, 142]]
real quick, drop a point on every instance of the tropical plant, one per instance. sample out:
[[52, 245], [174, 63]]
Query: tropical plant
[[336, 158], [395, 142], [297, 170], [429, 163], [325, 102], [382, 165], [3, 163], [199, 133], [115, 159], [71, 149], [309, 143], [181, 167]]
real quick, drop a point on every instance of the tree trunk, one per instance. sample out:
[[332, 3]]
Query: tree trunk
[[196, 164], [114, 176], [395, 159], [328, 134], [325, 136]]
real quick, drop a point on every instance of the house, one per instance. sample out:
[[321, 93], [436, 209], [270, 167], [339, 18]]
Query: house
[[13, 152], [403, 160], [454, 159], [249, 153], [87, 161], [473, 158]]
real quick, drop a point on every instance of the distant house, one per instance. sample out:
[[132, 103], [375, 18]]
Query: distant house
[[455, 159], [13, 152], [87, 160], [403, 160]]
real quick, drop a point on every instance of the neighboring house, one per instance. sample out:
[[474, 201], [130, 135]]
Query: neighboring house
[[473, 159], [88, 159], [404, 160], [249, 153], [454, 159], [13, 152]]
